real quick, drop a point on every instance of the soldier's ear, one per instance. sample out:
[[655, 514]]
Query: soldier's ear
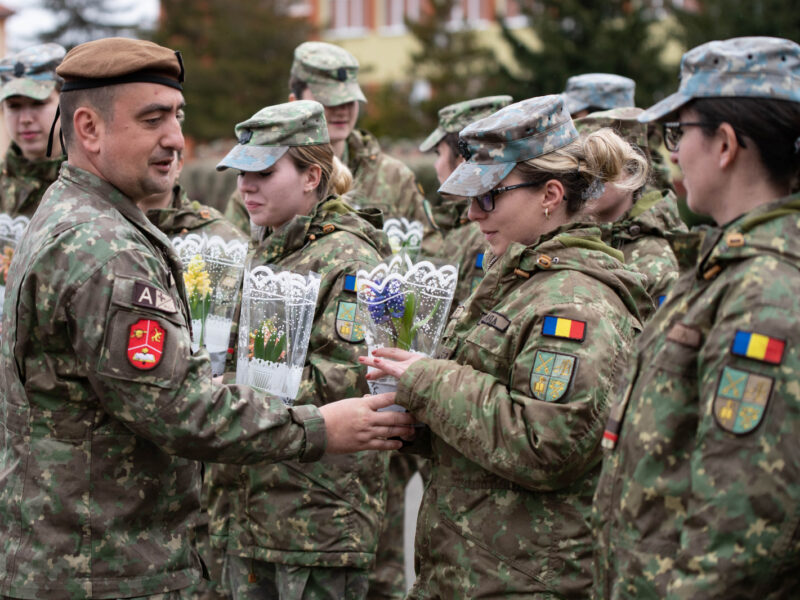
[[311, 178], [88, 128]]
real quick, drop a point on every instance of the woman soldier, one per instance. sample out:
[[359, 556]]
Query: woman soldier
[[296, 529], [516, 401], [700, 492]]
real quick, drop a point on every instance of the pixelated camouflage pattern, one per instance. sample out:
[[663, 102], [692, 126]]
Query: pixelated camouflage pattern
[[513, 134], [643, 234], [624, 121], [684, 508], [747, 67], [236, 213], [31, 72], [454, 117], [599, 90], [99, 484], [330, 71], [327, 515], [23, 182], [268, 134], [507, 510]]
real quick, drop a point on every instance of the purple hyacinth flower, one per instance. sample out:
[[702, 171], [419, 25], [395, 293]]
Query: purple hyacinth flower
[[396, 300], [376, 306]]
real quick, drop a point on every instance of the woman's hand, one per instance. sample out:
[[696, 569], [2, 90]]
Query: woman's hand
[[355, 424], [389, 361]]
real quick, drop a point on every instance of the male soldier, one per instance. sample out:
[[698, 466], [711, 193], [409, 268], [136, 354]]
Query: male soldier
[[29, 96], [104, 409], [640, 222], [328, 74]]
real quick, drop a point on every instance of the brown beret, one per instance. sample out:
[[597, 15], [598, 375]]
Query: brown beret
[[111, 61]]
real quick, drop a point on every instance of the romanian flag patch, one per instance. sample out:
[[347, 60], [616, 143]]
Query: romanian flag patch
[[479, 261], [756, 346], [349, 283], [568, 329]]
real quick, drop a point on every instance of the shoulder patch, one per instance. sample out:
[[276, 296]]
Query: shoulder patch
[[568, 329], [741, 400], [479, 261], [146, 344], [660, 300], [347, 325], [551, 375], [149, 296], [349, 283], [496, 320], [685, 335], [757, 346]]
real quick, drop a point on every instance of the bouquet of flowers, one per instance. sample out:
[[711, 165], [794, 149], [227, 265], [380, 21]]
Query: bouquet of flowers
[[405, 305], [11, 230], [404, 235], [213, 276], [274, 330]]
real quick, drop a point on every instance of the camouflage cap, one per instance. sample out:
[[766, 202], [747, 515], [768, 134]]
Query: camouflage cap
[[31, 72], [268, 134], [455, 117], [752, 67], [625, 121], [331, 73], [494, 145], [600, 90]]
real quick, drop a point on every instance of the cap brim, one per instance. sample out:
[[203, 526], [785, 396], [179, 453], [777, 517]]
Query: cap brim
[[252, 158], [38, 90], [336, 94], [470, 179], [432, 140], [666, 107], [574, 105]]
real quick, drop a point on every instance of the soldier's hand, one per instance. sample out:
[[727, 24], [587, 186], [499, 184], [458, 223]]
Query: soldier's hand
[[355, 424], [389, 361]]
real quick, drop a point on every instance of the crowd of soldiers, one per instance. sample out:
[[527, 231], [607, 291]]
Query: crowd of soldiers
[[612, 411]]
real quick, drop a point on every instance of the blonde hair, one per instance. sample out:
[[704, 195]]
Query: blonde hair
[[335, 177], [582, 165]]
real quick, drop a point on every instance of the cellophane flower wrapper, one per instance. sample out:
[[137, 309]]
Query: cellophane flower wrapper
[[404, 236], [11, 230], [214, 271], [404, 304], [275, 329]]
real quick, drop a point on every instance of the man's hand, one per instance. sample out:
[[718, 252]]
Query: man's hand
[[355, 424]]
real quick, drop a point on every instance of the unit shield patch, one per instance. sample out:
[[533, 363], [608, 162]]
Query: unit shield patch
[[741, 400], [347, 326], [551, 375], [145, 344]]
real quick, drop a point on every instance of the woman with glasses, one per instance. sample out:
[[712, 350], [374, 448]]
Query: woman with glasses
[[516, 400], [700, 491]]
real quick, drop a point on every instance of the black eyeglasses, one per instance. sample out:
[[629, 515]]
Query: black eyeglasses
[[673, 132], [486, 200]]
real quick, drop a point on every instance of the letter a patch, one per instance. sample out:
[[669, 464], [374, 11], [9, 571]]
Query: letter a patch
[[551, 375], [146, 344], [741, 400]]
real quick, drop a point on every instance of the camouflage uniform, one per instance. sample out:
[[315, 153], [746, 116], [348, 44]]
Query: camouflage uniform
[[699, 494], [327, 517], [599, 91], [104, 410]]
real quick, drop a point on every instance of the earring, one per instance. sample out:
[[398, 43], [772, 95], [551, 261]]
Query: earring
[[546, 213]]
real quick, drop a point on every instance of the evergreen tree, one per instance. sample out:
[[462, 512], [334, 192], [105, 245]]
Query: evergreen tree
[[723, 19], [79, 21], [237, 55], [587, 36]]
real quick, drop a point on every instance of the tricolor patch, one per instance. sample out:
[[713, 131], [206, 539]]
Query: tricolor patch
[[758, 347], [479, 261], [350, 283], [551, 375], [560, 327], [347, 326], [146, 344], [741, 400], [660, 300]]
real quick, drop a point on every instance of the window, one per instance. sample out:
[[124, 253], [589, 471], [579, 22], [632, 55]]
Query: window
[[395, 12], [347, 18], [474, 12]]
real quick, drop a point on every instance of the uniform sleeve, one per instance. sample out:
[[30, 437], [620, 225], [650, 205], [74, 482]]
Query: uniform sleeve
[[541, 424], [740, 527], [147, 378], [654, 257]]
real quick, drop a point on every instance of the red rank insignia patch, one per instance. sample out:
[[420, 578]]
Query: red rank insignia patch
[[146, 344]]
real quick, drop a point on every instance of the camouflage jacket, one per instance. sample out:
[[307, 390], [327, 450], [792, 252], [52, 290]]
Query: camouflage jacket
[[327, 515], [105, 410], [643, 235], [24, 182], [189, 216], [700, 498], [517, 414]]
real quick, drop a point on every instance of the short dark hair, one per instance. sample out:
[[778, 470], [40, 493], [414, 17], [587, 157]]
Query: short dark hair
[[100, 99], [451, 140], [297, 86], [772, 125]]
